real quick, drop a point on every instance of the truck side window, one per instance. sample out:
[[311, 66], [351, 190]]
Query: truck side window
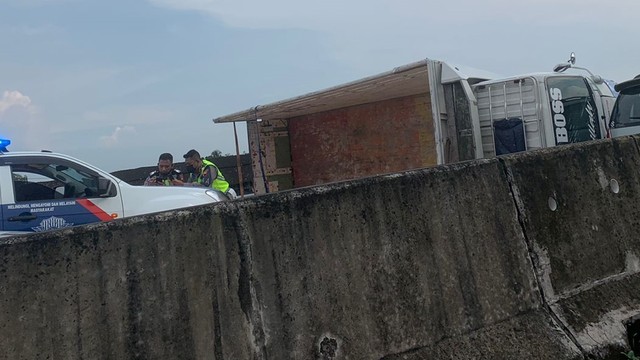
[[34, 182], [627, 109], [33, 187]]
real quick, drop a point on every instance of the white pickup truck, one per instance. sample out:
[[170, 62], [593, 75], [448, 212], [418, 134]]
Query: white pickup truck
[[42, 191]]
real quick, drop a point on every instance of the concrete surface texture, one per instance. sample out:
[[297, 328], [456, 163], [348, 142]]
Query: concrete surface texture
[[527, 256]]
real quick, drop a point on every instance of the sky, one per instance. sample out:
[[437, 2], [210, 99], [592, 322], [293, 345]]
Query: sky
[[115, 83]]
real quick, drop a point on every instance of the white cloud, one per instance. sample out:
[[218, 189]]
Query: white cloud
[[20, 121], [117, 136], [13, 98]]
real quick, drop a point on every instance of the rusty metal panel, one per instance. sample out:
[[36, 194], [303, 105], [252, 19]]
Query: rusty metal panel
[[270, 155], [381, 137]]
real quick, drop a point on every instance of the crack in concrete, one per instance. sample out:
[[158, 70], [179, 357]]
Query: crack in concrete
[[515, 194], [247, 294]]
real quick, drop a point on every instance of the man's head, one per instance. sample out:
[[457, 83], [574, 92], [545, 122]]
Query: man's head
[[165, 163], [192, 159]]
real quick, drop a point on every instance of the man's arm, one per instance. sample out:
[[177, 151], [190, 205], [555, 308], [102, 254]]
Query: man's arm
[[150, 180], [177, 175], [209, 175]]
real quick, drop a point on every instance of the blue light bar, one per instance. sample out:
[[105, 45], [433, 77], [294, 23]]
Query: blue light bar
[[4, 143]]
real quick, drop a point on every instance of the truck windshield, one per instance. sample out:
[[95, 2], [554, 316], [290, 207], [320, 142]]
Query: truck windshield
[[626, 112], [573, 109]]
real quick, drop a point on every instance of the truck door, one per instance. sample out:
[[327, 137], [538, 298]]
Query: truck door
[[54, 193], [574, 114]]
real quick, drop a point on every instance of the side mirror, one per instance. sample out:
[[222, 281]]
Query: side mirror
[[564, 66], [561, 67], [106, 188]]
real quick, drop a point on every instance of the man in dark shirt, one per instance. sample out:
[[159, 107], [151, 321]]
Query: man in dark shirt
[[165, 174]]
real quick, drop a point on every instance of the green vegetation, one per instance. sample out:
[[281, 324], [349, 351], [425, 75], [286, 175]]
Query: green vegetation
[[218, 154]]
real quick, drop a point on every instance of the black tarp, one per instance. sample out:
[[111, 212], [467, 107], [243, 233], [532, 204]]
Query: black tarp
[[509, 135]]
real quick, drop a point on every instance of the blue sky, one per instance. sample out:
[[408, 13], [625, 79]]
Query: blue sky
[[116, 83]]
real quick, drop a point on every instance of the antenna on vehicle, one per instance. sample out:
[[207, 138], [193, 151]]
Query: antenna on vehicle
[[570, 64]]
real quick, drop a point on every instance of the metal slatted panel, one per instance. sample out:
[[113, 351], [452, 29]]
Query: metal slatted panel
[[509, 99]]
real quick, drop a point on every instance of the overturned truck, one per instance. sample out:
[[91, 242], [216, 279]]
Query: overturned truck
[[422, 114]]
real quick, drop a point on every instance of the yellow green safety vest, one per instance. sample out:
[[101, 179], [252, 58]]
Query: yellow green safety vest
[[219, 183]]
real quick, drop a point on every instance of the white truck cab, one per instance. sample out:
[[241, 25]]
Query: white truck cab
[[495, 116], [549, 109], [42, 191]]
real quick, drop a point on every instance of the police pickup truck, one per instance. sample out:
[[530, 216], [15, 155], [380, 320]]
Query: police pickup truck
[[42, 191]]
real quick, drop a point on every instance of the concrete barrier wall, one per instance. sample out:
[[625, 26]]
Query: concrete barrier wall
[[587, 251], [461, 261]]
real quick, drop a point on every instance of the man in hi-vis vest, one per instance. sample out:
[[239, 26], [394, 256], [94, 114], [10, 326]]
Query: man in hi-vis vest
[[205, 173]]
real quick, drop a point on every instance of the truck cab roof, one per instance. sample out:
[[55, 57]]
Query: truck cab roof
[[7, 156], [628, 84]]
